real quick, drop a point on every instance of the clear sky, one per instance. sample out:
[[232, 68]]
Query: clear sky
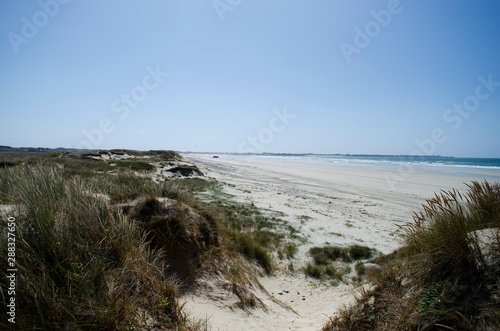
[[374, 77]]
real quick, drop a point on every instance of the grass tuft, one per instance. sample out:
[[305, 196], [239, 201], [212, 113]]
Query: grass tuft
[[326, 254]]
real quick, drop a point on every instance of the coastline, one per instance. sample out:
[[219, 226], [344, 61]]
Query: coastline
[[376, 199], [338, 204], [284, 244]]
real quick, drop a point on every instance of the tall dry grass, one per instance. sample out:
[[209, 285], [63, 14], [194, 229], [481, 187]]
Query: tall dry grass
[[98, 249], [447, 274], [441, 235], [81, 265]]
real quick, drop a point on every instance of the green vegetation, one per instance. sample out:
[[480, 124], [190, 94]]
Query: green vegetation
[[81, 264], [348, 224], [135, 165], [288, 251], [327, 254], [445, 277], [331, 262], [360, 269], [253, 232], [326, 271], [98, 247], [253, 247], [181, 233]]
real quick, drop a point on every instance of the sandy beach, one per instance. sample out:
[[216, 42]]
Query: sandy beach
[[340, 204]]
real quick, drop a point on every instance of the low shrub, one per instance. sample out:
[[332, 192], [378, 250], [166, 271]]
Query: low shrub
[[324, 272], [181, 234], [326, 254]]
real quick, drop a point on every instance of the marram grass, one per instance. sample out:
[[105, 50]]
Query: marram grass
[[447, 274]]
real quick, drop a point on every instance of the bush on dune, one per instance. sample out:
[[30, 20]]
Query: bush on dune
[[446, 276], [180, 233]]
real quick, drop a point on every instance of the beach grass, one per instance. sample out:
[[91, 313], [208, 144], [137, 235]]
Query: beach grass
[[446, 275], [333, 262], [324, 255], [100, 247], [81, 264]]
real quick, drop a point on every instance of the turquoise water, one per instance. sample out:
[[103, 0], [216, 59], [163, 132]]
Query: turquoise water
[[421, 160], [385, 160]]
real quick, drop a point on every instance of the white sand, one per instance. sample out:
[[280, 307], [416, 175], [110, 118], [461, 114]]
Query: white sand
[[334, 203]]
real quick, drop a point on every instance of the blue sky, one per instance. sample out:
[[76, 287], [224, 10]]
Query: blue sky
[[375, 77]]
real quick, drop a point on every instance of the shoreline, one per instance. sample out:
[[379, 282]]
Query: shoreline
[[364, 203], [337, 204], [402, 173]]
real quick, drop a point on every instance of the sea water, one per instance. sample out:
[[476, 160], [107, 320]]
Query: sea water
[[390, 161]]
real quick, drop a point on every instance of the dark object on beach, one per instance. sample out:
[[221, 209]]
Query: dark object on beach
[[215, 156], [186, 170]]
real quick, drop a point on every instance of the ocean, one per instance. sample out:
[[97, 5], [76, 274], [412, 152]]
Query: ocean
[[384, 160]]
